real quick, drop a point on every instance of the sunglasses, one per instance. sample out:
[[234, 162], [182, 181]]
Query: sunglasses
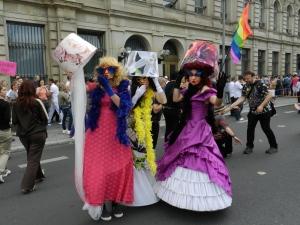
[[110, 69], [198, 73]]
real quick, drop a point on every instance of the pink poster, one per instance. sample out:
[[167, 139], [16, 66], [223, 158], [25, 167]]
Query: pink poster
[[8, 68]]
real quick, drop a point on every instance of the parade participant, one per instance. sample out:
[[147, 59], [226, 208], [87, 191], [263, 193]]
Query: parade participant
[[5, 134], [54, 107], [107, 165], [145, 88], [223, 134], [192, 173], [30, 117], [261, 109]]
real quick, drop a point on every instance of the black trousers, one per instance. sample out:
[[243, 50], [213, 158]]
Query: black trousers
[[155, 133], [264, 120], [172, 117], [225, 145], [34, 145]]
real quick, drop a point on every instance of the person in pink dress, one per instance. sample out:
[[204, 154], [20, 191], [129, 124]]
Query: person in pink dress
[[107, 163]]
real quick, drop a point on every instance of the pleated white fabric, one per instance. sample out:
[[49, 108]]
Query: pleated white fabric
[[143, 188], [192, 190], [94, 211]]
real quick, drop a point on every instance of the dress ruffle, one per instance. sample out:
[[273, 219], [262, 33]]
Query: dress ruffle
[[192, 190], [199, 153]]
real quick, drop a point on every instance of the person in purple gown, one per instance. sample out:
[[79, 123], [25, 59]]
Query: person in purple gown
[[192, 173]]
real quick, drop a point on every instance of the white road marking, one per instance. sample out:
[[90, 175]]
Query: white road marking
[[292, 111], [242, 121], [47, 161], [281, 126], [261, 173]]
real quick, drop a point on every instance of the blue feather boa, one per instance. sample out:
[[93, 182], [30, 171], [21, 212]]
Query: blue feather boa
[[121, 112]]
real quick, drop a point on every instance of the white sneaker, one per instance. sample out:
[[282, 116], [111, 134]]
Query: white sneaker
[[6, 172], [1, 179], [64, 131], [60, 123], [241, 119], [68, 132]]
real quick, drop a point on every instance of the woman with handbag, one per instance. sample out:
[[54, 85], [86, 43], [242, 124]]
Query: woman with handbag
[[30, 117]]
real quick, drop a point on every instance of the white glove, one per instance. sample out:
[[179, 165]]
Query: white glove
[[94, 211], [157, 85], [138, 94]]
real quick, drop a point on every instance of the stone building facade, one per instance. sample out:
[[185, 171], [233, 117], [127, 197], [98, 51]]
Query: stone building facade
[[31, 29]]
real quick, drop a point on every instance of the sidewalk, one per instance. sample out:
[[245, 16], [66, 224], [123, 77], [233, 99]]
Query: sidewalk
[[56, 137]]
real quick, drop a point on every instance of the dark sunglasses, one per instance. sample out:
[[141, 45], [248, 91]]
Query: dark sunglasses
[[198, 73], [110, 69]]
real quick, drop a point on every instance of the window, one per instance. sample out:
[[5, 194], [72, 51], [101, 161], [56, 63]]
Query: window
[[200, 6], [136, 43], [245, 59], [96, 39], [287, 64], [288, 20], [261, 62], [26, 43], [170, 3], [275, 16], [275, 60], [262, 14], [224, 8]]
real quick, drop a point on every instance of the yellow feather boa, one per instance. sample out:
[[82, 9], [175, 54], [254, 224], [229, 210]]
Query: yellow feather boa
[[143, 126]]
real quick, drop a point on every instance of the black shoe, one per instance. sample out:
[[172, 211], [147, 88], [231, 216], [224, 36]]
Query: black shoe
[[117, 210], [248, 150], [27, 191], [106, 215], [271, 150]]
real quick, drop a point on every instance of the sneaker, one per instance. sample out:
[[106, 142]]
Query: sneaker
[[64, 131], [271, 150], [117, 210], [68, 132], [6, 172], [106, 215], [241, 119], [248, 150], [1, 179], [60, 123], [49, 124]]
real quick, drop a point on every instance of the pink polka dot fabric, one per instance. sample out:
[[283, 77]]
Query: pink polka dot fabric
[[107, 169]]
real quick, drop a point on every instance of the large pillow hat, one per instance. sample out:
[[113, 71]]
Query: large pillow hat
[[142, 63], [202, 55], [73, 52]]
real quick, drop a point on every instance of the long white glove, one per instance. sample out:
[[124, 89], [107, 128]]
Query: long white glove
[[157, 85], [140, 91]]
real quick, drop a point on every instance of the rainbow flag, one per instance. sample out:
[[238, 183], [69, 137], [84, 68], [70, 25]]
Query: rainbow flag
[[242, 32]]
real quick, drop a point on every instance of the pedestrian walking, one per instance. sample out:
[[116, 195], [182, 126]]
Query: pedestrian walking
[[64, 100], [261, 109], [43, 94], [30, 117], [5, 134], [192, 173], [54, 106]]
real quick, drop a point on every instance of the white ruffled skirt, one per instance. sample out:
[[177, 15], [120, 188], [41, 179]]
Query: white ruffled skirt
[[143, 188], [192, 190]]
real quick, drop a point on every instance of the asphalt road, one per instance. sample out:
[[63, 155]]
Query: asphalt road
[[266, 188]]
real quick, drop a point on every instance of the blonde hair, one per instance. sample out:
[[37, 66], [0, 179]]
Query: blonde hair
[[120, 73]]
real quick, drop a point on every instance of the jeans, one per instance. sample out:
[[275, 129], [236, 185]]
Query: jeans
[[236, 113], [264, 120], [225, 145], [67, 114]]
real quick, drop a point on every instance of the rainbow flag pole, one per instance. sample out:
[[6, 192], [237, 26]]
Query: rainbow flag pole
[[242, 32]]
